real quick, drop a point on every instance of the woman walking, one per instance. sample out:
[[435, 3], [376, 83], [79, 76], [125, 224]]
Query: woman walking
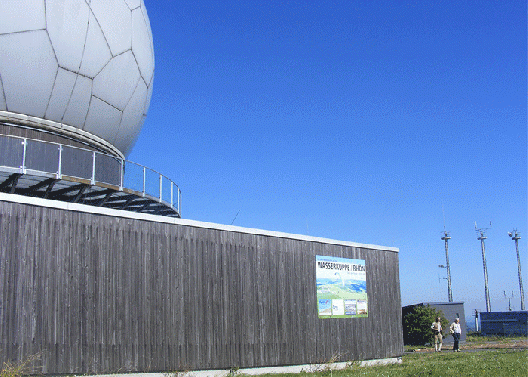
[[455, 330]]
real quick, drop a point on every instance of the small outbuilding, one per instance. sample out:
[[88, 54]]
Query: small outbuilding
[[451, 311], [504, 323]]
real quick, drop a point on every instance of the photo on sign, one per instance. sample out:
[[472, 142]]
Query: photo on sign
[[341, 287]]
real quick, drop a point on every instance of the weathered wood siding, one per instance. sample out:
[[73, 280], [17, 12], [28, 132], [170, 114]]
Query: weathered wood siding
[[96, 293]]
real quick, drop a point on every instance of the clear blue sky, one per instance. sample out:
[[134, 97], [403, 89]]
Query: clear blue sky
[[364, 121]]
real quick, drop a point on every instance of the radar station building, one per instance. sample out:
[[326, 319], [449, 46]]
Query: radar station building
[[98, 271]]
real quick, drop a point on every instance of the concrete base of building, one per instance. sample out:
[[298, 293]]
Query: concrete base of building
[[309, 368]]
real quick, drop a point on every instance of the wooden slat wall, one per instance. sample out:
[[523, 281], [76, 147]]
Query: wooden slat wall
[[100, 294]]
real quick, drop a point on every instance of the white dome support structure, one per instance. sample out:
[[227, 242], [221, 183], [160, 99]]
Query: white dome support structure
[[71, 174]]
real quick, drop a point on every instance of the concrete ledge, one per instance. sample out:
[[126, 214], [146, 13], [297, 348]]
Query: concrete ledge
[[309, 368]]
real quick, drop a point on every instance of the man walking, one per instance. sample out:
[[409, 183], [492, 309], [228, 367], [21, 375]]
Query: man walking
[[437, 331]]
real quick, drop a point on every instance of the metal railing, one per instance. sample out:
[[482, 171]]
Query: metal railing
[[29, 156]]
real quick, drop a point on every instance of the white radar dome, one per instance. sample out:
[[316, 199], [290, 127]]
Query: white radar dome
[[83, 66]]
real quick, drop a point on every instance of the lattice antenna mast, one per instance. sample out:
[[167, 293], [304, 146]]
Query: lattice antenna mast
[[482, 236], [514, 234], [446, 238]]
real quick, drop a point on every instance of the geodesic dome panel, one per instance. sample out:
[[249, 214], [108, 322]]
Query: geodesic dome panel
[[84, 64], [28, 69]]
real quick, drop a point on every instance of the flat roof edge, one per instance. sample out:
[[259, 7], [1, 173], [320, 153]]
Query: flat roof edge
[[14, 198]]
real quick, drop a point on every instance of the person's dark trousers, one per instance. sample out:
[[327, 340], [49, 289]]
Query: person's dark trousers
[[456, 337]]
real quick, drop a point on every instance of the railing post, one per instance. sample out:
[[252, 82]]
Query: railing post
[[23, 167], [179, 199], [144, 179], [59, 171], [122, 175], [161, 187], [93, 168], [172, 194]]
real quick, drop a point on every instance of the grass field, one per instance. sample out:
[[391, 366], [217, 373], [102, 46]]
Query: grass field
[[502, 363], [474, 338]]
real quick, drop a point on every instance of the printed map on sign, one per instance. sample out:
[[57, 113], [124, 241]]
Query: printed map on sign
[[341, 287]]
